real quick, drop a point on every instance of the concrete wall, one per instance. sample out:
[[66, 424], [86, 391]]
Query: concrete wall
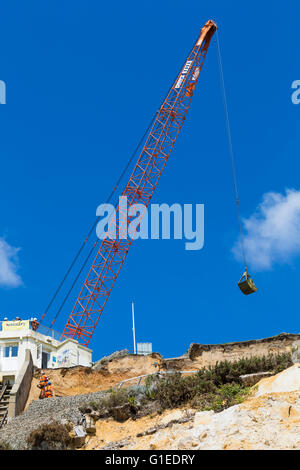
[[20, 391], [67, 353], [85, 356], [70, 354]]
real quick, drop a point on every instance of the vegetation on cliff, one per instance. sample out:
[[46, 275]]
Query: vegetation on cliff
[[216, 387]]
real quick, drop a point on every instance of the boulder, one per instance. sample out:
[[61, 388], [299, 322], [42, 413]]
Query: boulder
[[121, 413], [77, 435], [90, 427]]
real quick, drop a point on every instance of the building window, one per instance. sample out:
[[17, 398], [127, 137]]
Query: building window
[[6, 351], [10, 351], [14, 351]]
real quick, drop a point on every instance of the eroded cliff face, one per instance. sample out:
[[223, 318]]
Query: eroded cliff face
[[269, 419], [78, 380], [203, 355]]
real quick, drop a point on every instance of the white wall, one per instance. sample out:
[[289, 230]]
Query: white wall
[[62, 354], [85, 357]]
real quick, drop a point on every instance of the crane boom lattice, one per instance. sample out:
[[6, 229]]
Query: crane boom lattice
[[139, 189]]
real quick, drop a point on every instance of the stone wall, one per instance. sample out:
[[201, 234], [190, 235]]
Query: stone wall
[[20, 391]]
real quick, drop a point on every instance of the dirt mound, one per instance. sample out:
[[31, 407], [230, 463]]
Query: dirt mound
[[270, 419], [80, 380]]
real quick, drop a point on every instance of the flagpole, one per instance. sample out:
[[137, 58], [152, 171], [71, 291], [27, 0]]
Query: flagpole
[[133, 328]]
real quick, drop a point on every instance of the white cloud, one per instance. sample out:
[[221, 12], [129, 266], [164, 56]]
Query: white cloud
[[9, 265], [272, 233]]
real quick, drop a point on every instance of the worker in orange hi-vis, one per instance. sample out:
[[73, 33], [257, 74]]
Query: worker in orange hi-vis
[[35, 324], [42, 384], [48, 390]]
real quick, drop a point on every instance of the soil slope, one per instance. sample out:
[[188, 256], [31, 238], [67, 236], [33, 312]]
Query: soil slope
[[82, 380], [270, 419]]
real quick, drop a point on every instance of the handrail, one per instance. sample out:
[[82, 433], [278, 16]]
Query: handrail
[[3, 419], [3, 391], [140, 377]]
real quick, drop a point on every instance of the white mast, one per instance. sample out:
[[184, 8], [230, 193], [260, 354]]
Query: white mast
[[133, 328]]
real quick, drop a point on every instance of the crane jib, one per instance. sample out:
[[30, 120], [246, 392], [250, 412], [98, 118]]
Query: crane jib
[[139, 189]]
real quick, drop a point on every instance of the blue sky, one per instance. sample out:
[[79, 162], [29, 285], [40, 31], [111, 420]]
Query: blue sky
[[83, 80]]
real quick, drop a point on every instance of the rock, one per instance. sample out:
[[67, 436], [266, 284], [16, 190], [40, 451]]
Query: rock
[[90, 427], [287, 381], [121, 413], [172, 417], [148, 432], [99, 364], [87, 409], [91, 430], [203, 417], [95, 415], [79, 431], [78, 436], [103, 413], [77, 442], [115, 445]]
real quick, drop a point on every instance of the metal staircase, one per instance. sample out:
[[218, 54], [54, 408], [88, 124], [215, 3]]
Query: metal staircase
[[5, 390]]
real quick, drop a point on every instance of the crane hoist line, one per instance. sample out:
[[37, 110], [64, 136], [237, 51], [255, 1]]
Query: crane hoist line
[[246, 283], [156, 144], [151, 162]]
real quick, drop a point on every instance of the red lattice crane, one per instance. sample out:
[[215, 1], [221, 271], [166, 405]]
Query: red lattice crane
[[139, 189]]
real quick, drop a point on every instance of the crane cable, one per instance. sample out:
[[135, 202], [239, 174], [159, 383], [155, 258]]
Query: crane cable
[[231, 149], [96, 221], [97, 240]]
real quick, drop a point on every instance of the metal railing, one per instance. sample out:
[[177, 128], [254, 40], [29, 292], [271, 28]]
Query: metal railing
[[139, 378], [2, 394], [3, 391], [2, 422], [45, 330]]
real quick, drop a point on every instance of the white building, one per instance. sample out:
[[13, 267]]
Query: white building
[[47, 351]]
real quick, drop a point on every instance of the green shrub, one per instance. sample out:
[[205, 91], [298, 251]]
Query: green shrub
[[5, 445], [115, 398], [52, 436], [216, 387], [228, 395], [108, 405]]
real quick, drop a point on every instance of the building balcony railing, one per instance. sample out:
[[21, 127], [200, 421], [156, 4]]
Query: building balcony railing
[[45, 330]]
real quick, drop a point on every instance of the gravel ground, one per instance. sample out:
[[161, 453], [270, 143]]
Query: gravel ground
[[39, 412]]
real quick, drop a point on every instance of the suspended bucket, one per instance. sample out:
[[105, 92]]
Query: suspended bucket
[[246, 284]]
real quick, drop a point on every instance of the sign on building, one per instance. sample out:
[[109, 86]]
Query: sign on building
[[15, 325]]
